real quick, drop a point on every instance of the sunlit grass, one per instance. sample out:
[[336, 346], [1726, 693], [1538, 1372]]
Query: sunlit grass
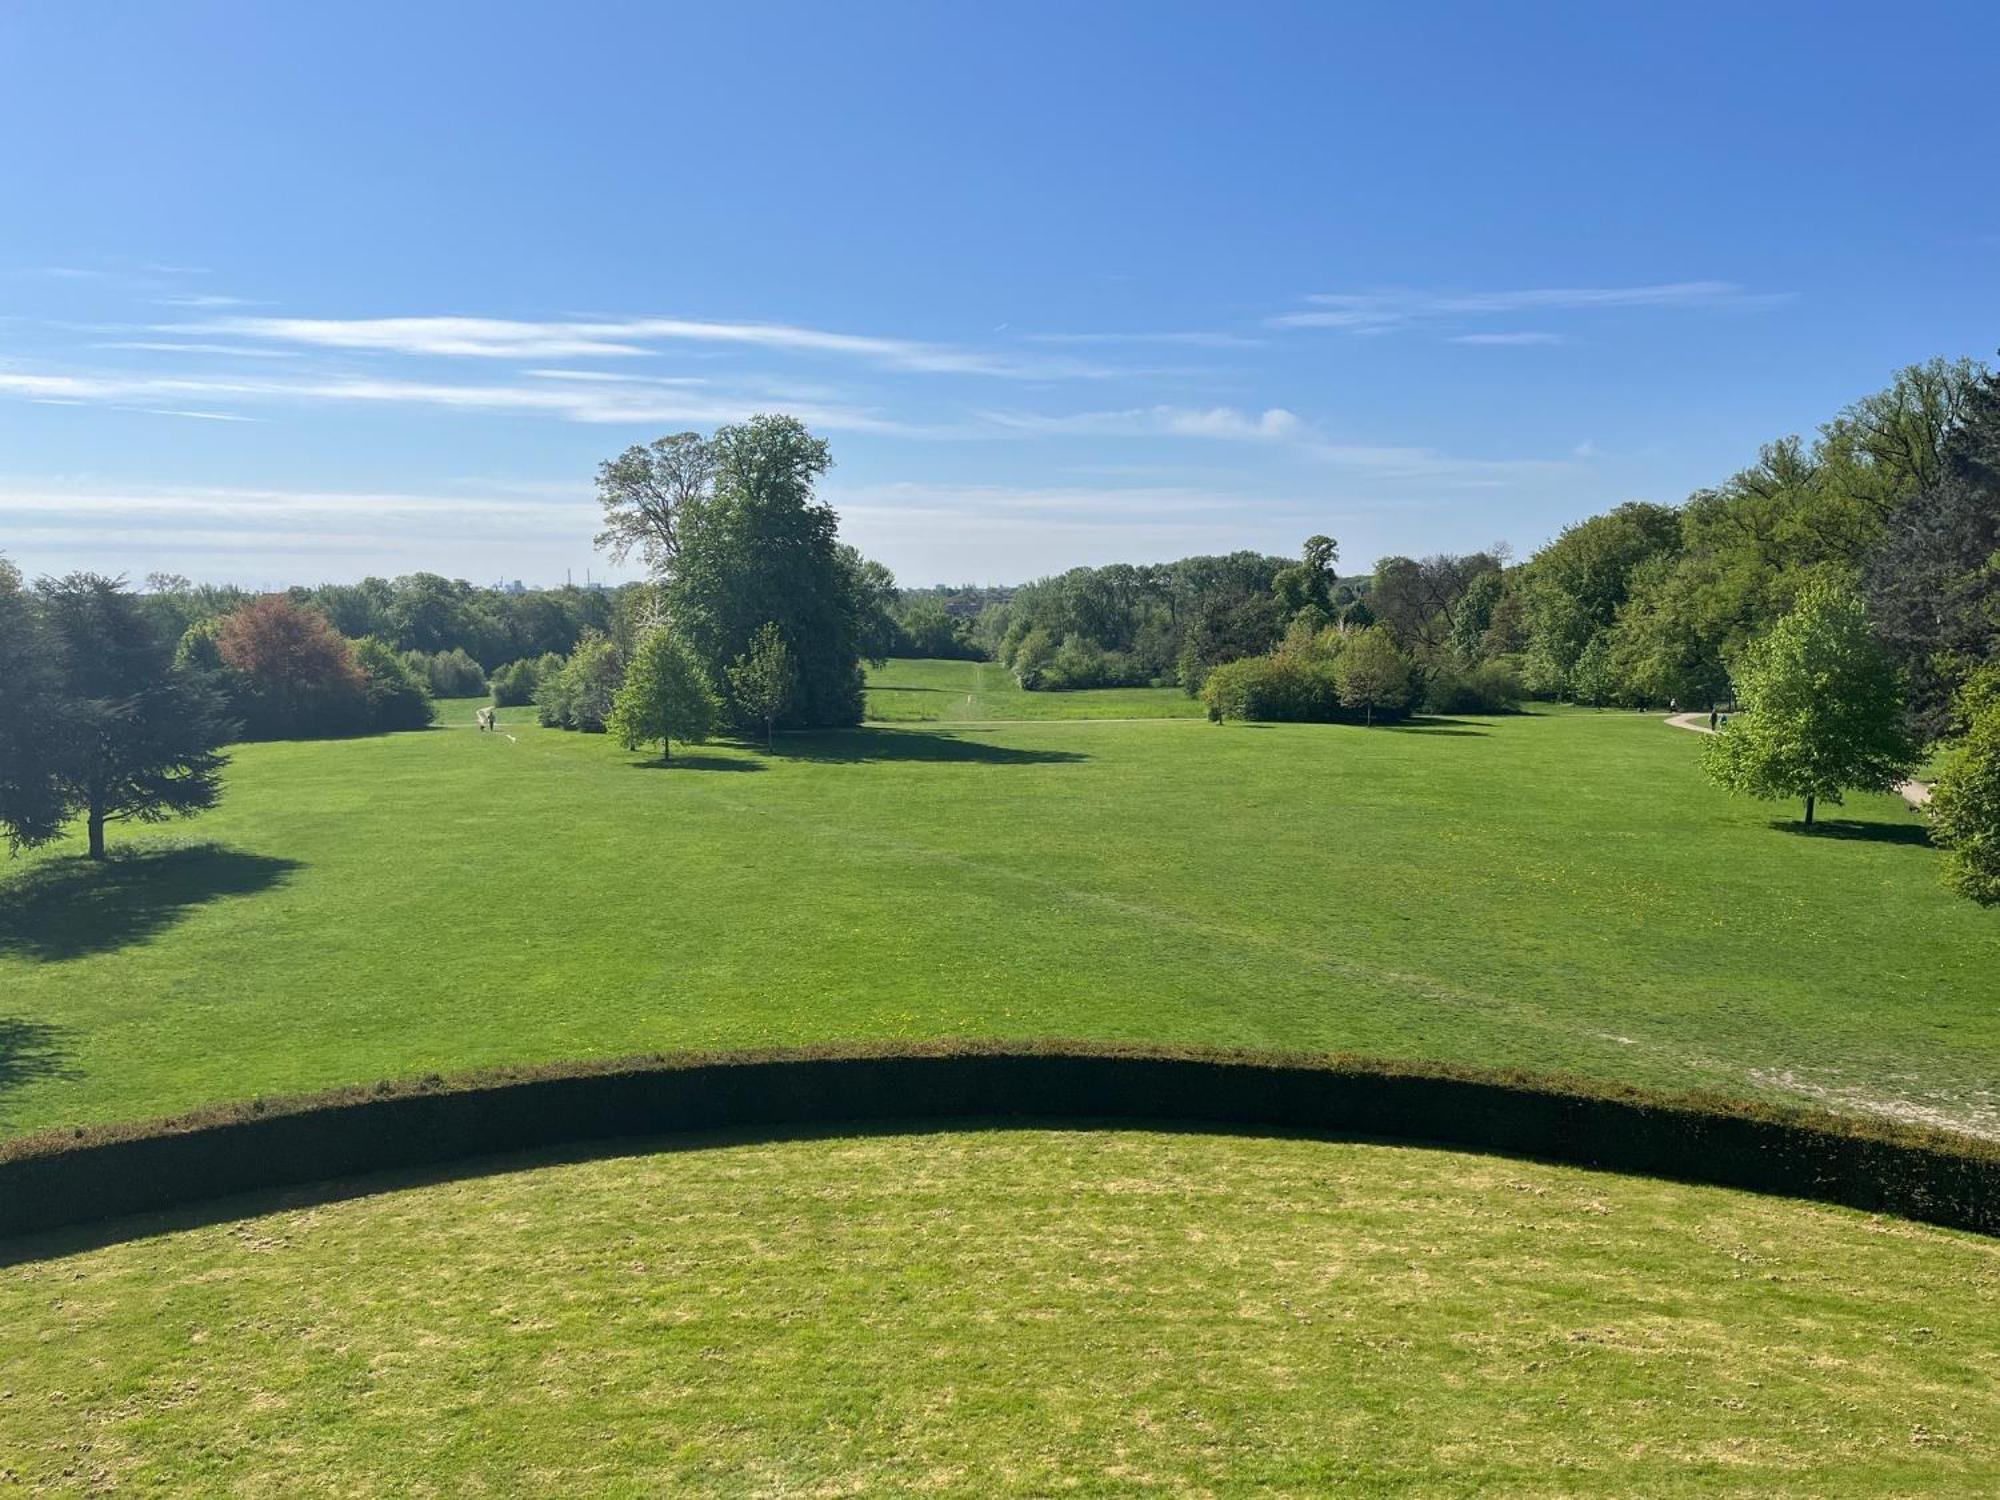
[[1543, 891], [1017, 1313]]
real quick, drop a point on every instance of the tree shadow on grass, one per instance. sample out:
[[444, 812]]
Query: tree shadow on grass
[[1421, 724], [687, 762], [31, 1051], [855, 746], [1854, 828], [71, 908], [897, 687]]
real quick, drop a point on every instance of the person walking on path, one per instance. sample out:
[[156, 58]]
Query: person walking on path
[[1711, 721]]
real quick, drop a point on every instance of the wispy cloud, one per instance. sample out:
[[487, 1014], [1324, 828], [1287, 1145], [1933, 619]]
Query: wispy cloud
[[632, 402], [163, 346], [506, 338], [207, 299], [1386, 311], [1193, 339], [1276, 425], [1507, 340]]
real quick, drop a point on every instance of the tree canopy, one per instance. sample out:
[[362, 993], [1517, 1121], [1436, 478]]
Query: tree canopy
[[1822, 712]]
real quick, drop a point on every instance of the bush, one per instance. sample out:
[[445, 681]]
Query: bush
[[1492, 687], [1283, 687], [396, 699], [580, 695], [514, 685], [1965, 803], [447, 674]]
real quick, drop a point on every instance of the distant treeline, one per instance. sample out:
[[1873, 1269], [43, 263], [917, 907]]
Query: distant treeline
[[1897, 498]]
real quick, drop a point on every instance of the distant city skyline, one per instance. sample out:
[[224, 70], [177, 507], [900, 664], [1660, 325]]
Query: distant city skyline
[[302, 296]]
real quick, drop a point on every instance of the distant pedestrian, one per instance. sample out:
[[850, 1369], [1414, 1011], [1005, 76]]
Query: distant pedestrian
[[1711, 721]]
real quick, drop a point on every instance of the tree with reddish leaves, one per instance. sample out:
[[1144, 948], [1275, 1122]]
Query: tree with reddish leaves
[[290, 672]]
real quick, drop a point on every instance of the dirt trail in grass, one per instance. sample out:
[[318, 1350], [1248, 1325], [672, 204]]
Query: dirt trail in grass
[[1916, 793]]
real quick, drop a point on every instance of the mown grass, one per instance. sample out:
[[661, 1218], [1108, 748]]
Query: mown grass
[[1549, 892], [1016, 1313], [970, 691]]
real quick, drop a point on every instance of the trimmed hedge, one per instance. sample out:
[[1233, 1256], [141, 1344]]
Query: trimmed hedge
[[64, 1178]]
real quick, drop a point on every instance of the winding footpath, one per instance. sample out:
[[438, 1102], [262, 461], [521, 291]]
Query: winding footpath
[[1914, 792]]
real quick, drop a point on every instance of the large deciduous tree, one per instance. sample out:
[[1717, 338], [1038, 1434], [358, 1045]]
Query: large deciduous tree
[[646, 491], [1822, 715], [290, 672], [666, 696], [760, 548], [132, 736], [1933, 581]]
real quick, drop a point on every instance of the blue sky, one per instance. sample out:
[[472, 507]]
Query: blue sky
[[294, 293]]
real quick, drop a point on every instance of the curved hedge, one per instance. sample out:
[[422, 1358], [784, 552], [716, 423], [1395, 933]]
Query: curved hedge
[[64, 1178]]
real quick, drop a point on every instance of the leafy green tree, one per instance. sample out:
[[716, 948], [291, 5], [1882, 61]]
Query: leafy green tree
[[580, 694], [1822, 714], [666, 697], [647, 490], [1308, 583], [759, 547], [395, 698], [762, 682], [1372, 673], [33, 725], [135, 738], [1965, 802], [1933, 580], [875, 597], [1591, 680]]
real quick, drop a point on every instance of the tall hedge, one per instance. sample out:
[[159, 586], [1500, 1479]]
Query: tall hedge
[[65, 1178]]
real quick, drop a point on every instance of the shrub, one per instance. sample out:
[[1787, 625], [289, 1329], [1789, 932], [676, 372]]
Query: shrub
[[396, 699], [1491, 687], [1965, 804], [580, 695], [1278, 687], [447, 674], [514, 684]]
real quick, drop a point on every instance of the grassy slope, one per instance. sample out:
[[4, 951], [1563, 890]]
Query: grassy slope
[[1014, 1314], [1552, 892], [969, 691]]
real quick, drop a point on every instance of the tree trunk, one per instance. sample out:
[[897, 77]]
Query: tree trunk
[[96, 830], [770, 734], [1809, 810], [1369, 721], [666, 750]]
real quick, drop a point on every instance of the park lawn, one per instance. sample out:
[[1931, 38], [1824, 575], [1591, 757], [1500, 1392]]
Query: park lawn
[[1558, 892], [903, 692], [1015, 1313]]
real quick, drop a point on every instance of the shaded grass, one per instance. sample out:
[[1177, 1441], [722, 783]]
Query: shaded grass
[[1559, 892], [1018, 1313]]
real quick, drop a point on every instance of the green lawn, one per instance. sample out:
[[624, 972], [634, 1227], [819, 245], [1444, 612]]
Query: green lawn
[[971, 691], [1559, 891], [1025, 1313]]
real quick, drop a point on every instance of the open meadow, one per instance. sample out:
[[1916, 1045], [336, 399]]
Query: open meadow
[[1554, 891], [1018, 1313]]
